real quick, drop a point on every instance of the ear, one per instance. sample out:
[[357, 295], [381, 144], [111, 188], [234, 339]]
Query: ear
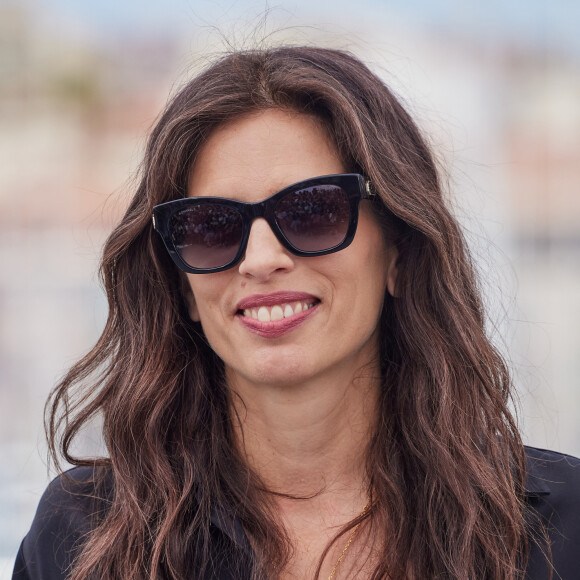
[[392, 270]]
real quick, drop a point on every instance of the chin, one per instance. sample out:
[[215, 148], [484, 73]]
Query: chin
[[281, 370]]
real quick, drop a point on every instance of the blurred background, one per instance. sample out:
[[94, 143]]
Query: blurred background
[[496, 85]]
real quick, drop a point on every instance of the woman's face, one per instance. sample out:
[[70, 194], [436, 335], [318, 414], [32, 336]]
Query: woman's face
[[341, 294]]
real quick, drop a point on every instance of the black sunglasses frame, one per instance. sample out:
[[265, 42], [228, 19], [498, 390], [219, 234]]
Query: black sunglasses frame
[[353, 184]]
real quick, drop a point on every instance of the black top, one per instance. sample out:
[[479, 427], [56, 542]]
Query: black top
[[68, 506]]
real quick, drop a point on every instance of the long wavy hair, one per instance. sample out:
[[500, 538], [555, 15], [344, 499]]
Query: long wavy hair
[[446, 464]]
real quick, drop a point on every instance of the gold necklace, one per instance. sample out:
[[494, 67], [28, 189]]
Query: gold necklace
[[348, 543]]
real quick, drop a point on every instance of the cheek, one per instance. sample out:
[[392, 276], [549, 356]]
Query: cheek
[[380, 259], [359, 287], [372, 285], [208, 305], [199, 297], [373, 259]]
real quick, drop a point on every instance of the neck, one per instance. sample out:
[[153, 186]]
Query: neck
[[310, 438]]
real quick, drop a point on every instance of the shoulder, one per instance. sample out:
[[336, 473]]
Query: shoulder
[[73, 501], [552, 473], [70, 507], [553, 511]]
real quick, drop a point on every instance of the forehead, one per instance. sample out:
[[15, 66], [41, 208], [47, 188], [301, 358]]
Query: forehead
[[258, 154]]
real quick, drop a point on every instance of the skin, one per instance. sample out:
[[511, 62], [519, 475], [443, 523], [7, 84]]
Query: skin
[[309, 396]]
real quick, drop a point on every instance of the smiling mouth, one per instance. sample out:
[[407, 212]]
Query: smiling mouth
[[278, 311]]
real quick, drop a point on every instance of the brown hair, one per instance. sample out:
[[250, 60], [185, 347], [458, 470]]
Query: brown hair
[[446, 463]]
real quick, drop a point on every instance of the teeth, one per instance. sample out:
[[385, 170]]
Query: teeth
[[276, 312]]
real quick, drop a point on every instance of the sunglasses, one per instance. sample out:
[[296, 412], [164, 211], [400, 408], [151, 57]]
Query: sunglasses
[[311, 218]]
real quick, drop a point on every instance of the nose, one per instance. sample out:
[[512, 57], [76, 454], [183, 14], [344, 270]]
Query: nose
[[264, 254]]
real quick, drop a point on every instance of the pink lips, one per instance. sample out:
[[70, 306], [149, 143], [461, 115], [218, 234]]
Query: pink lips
[[275, 328]]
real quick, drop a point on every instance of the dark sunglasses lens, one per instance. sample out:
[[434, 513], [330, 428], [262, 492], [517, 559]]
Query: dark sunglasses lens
[[207, 235], [315, 218]]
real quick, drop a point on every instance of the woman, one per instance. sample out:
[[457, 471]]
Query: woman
[[294, 378]]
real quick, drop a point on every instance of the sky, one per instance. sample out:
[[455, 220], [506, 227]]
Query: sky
[[544, 23]]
